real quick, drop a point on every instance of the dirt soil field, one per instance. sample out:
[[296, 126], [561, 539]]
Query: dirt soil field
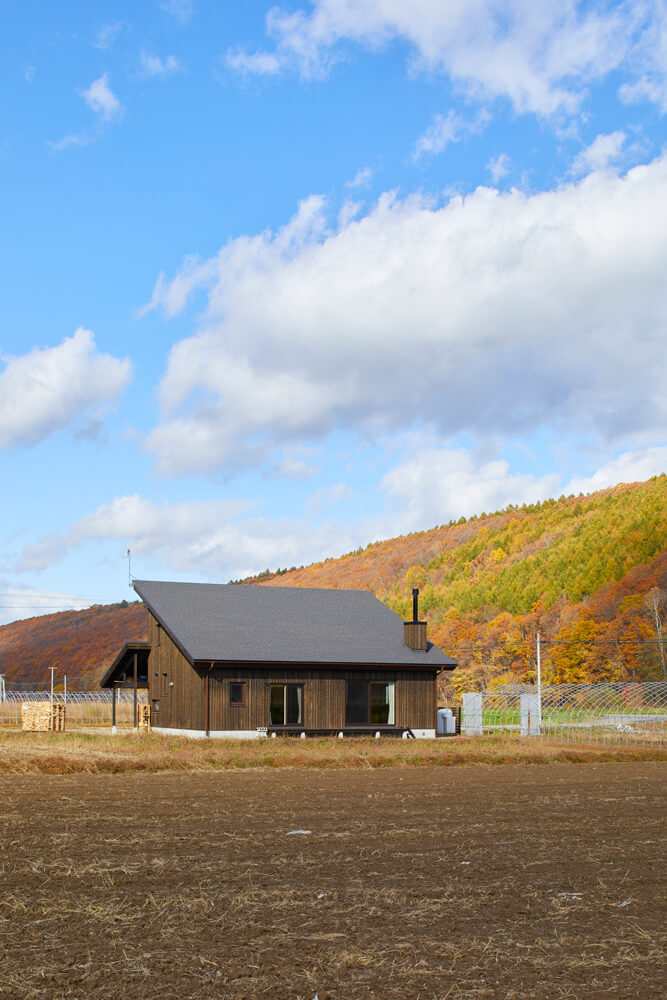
[[419, 883]]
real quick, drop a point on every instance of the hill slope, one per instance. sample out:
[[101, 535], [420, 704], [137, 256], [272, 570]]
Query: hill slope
[[578, 570], [588, 573], [81, 644]]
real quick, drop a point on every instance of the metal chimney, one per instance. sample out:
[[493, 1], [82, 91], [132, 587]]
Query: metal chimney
[[414, 632]]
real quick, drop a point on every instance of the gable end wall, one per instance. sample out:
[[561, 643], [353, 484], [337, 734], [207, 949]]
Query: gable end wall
[[182, 706]]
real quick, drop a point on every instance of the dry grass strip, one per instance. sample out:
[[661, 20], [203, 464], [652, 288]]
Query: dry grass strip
[[79, 753]]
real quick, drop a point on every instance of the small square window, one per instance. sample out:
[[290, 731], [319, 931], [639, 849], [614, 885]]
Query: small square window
[[237, 693], [156, 704]]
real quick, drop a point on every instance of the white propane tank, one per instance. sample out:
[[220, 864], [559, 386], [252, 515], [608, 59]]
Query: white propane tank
[[446, 724]]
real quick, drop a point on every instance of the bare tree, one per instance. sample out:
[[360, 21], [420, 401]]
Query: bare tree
[[655, 609]]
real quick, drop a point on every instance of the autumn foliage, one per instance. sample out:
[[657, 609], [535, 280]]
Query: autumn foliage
[[588, 573], [81, 644]]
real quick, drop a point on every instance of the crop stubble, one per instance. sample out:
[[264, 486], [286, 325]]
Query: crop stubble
[[508, 882]]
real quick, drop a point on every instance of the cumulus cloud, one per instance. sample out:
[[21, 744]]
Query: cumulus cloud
[[437, 484], [446, 129], [193, 529], [155, 66], [492, 314], [51, 387], [630, 467], [604, 152], [210, 539], [539, 56]]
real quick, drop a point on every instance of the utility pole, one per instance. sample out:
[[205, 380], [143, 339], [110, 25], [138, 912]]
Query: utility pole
[[539, 685], [52, 669]]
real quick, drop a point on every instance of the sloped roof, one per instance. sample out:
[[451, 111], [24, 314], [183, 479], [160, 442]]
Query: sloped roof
[[122, 658], [239, 623]]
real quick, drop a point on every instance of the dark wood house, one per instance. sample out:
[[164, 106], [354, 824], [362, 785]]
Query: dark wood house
[[232, 660]]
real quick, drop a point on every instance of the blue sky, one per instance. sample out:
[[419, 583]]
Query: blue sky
[[280, 280]]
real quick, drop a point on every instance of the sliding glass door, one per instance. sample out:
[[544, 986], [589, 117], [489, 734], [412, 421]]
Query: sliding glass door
[[369, 703], [286, 707]]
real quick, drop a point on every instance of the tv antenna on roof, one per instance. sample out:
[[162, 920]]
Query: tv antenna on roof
[[128, 555]]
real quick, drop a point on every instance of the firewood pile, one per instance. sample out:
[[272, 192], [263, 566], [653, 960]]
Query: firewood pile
[[42, 717]]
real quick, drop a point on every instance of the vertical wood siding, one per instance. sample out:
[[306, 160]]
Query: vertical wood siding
[[323, 695], [183, 705]]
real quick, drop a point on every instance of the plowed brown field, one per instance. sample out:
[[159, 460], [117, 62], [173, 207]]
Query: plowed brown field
[[422, 883]]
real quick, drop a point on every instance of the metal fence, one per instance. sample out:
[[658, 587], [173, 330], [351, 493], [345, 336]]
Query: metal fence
[[613, 714], [84, 709]]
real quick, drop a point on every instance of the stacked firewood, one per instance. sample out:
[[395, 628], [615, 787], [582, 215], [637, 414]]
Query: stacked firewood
[[42, 717]]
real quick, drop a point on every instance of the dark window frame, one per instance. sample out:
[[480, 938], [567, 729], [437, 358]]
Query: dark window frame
[[244, 702], [369, 683], [286, 685]]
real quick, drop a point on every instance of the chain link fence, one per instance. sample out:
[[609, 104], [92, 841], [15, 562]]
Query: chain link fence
[[84, 709], [604, 714]]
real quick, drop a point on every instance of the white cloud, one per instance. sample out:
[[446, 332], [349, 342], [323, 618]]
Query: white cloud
[[494, 314], [435, 485], [51, 387], [539, 56], [498, 167], [209, 539], [248, 63], [73, 139], [649, 57], [362, 178], [155, 66], [295, 469], [27, 602], [186, 532], [630, 467], [446, 129], [605, 151], [327, 497], [218, 540], [181, 10], [107, 35], [101, 99]]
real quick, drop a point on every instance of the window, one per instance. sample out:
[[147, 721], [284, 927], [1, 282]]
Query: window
[[156, 704], [369, 703], [237, 693], [286, 705], [158, 634], [165, 684]]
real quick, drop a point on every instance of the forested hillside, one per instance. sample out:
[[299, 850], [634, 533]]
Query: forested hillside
[[588, 573], [81, 644]]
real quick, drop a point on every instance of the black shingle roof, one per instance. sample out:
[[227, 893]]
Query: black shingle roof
[[237, 623]]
